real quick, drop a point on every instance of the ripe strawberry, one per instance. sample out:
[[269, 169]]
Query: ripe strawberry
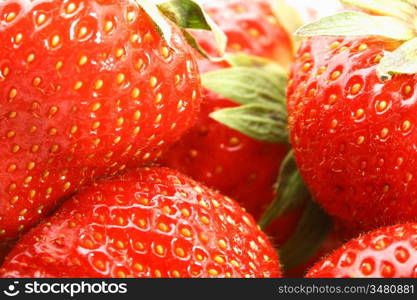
[[88, 88], [385, 252], [151, 222], [353, 131], [214, 154]]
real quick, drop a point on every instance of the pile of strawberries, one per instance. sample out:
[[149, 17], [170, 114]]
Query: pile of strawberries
[[216, 138]]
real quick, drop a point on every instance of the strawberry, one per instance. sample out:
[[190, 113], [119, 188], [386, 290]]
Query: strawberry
[[151, 222], [352, 114], [385, 252], [89, 88], [220, 157]]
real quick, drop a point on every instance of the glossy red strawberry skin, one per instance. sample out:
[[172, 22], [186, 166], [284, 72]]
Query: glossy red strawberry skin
[[151, 222], [225, 159], [385, 252], [88, 88], [354, 136]]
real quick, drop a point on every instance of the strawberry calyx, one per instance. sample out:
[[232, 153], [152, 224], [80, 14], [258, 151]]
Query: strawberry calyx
[[384, 19], [314, 225], [186, 14], [259, 85]]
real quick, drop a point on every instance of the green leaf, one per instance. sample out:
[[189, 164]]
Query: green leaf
[[401, 9], [291, 192], [358, 24], [188, 14], [401, 61], [265, 122], [247, 84], [312, 230]]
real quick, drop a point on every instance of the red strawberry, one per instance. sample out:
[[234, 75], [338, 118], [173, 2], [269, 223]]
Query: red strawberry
[[225, 159], [152, 222], [353, 132], [385, 252], [88, 88]]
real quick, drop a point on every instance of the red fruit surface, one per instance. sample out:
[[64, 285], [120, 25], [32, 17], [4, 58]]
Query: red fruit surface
[[151, 222], [354, 136], [87, 88], [385, 252], [225, 159]]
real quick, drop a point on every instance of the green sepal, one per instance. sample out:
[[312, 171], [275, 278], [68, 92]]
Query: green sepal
[[401, 9], [246, 85], [401, 61], [266, 122], [291, 192], [352, 23], [312, 230], [186, 14]]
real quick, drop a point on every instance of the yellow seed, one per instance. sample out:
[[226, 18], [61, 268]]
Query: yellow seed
[[30, 58], [153, 81], [158, 118], [186, 232], [120, 52], [254, 32], [83, 60], [222, 244], [70, 8], [406, 125], [332, 99], [360, 140], [356, 88], [362, 47], [11, 168], [18, 38], [158, 98], [120, 78], [359, 113], [59, 65], [384, 132], [219, 259], [15, 148], [213, 272], [82, 32], [160, 250], [335, 75], [40, 19], [165, 52], [96, 125], [180, 252], [135, 93], [108, 26], [382, 105], [52, 131], [96, 106], [11, 134], [78, 85], [334, 45], [130, 16], [55, 40], [74, 129], [10, 16], [98, 84]]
